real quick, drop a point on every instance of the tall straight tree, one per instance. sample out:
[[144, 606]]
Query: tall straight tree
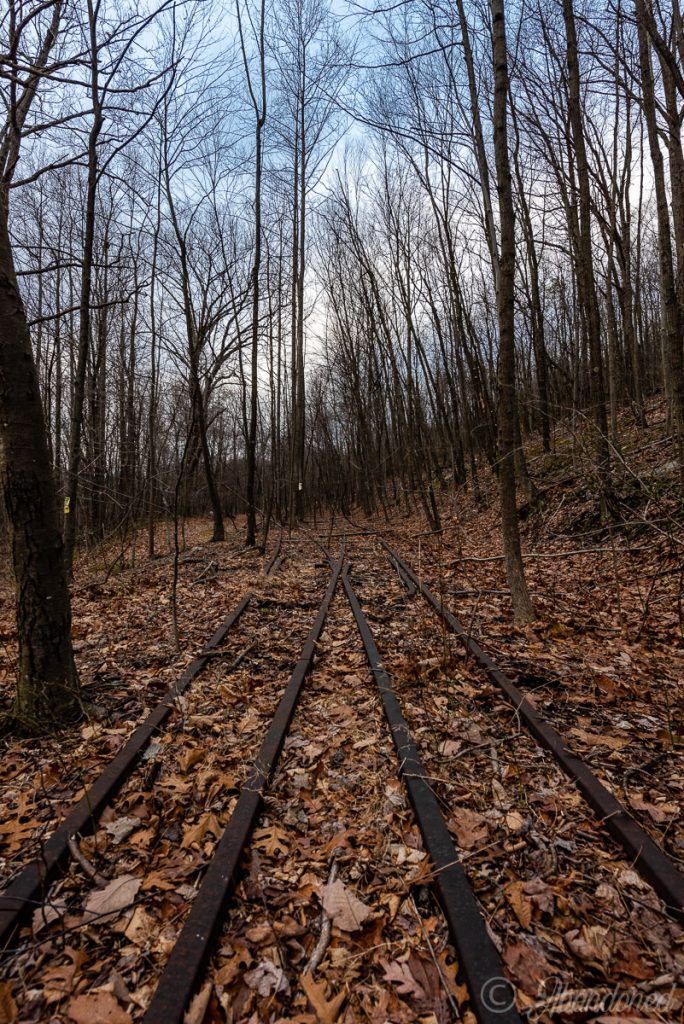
[[259, 105], [505, 306], [47, 685], [114, 78], [584, 257], [312, 71], [670, 311]]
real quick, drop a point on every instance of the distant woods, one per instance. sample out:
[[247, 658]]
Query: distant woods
[[279, 256]]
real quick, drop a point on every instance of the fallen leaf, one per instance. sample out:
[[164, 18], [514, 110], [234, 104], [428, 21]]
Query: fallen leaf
[[327, 1011], [272, 841], [227, 974], [402, 976], [595, 739], [122, 828], [470, 828], [628, 876], [522, 907], [198, 1005], [450, 747], [260, 933], [658, 812], [631, 963], [591, 942], [266, 978], [8, 1007], [46, 914], [540, 894], [141, 927], [97, 1008], [116, 896], [514, 821], [346, 911], [18, 832], [363, 744], [499, 795], [190, 758], [527, 966], [195, 834], [58, 981]]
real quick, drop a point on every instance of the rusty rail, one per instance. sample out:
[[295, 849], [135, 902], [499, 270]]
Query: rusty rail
[[492, 996], [185, 967], [30, 887], [651, 862]]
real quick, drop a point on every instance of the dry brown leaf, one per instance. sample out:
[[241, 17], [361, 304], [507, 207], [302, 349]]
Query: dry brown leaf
[[631, 963], [327, 1011], [49, 912], [595, 739], [189, 758], [658, 812], [346, 911], [522, 907], [540, 894], [227, 974], [470, 828], [591, 942], [499, 795], [97, 1008], [195, 834], [612, 1019], [141, 927], [58, 981], [528, 967], [267, 978], [18, 832], [122, 828], [271, 841], [260, 933], [198, 1005], [8, 1007], [401, 974], [115, 897], [514, 821]]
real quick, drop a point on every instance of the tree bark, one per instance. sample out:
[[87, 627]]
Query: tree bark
[[670, 314], [585, 262], [505, 301], [48, 693]]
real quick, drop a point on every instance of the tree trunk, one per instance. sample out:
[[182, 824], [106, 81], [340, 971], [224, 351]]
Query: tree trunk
[[585, 262], [48, 693], [78, 399], [505, 302], [669, 310]]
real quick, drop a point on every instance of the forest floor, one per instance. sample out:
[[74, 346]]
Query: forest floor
[[603, 661]]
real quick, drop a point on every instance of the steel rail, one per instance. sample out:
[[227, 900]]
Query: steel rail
[[647, 857], [276, 559], [30, 887], [492, 996], [185, 967]]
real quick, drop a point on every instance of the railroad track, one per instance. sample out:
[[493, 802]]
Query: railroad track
[[652, 863], [30, 887], [184, 970], [192, 957], [492, 998]]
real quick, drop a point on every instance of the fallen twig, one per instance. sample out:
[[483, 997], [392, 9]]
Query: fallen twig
[[91, 872], [326, 928]]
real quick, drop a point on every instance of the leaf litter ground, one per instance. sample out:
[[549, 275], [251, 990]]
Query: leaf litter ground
[[336, 868]]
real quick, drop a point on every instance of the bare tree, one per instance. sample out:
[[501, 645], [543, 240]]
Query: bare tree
[[48, 693]]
